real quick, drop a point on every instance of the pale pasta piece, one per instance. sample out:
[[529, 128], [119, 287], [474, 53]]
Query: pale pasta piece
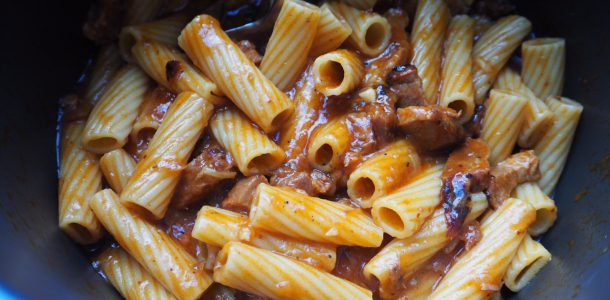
[[129, 278], [139, 11], [531, 257], [331, 33], [457, 89], [544, 61], [251, 149], [360, 4], [111, 120], [79, 179], [554, 147], [546, 210], [287, 49], [402, 258], [493, 50], [382, 172], [286, 211], [271, 275], [370, 31], [538, 117], [164, 30], [429, 29], [153, 182], [216, 227], [478, 273], [171, 69], [421, 286], [403, 212], [327, 145], [107, 64], [338, 72], [159, 254], [117, 167], [238, 78], [503, 120]]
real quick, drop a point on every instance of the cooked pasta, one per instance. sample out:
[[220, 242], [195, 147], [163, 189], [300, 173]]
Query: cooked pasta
[[164, 30], [493, 49], [152, 185], [531, 257], [107, 64], [293, 34], [79, 179], [241, 266], [429, 29], [161, 256], [237, 77], [331, 33], [544, 62], [327, 145], [457, 90], [289, 212], [117, 167], [337, 72], [546, 210], [554, 147]]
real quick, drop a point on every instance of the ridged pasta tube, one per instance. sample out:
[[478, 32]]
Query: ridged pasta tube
[[164, 30], [327, 145], [531, 257], [331, 33], [286, 211], [117, 167], [338, 72], [238, 78], [546, 210], [543, 68]]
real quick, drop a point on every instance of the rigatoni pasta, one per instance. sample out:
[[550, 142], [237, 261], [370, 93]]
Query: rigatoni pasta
[[117, 167], [543, 69], [332, 31], [164, 30], [327, 144], [531, 257], [337, 72], [546, 210]]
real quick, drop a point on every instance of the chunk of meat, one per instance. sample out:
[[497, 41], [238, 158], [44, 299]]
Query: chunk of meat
[[466, 172], [103, 21], [322, 183], [74, 108], [474, 126], [378, 68], [516, 169], [240, 197], [249, 49], [407, 85], [382, 113], [203, 173], [311, 183], [431, 127], [362, 139]]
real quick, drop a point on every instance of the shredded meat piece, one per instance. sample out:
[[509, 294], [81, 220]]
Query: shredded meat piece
[[516, 169], [311, 183], [104, 21], [240, 197], [431, 127], [407, 85], [362, 139], [249, 50], [470, 234], [466, 172], [474, 126], [378, 68], [493, 8], [203, 173], [382, 113], [322, 183]]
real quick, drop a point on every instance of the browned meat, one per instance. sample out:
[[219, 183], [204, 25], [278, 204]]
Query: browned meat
[[312, 183], [431, 127], [104, 21], [407, 85], [362, 139], [493, 8], [322, 183], [241, 195], [516, 169], [351, 262], [466, 172], [203, 173], [249, 50], [474, 126], [378, 68], [382, 113], [74, 108]]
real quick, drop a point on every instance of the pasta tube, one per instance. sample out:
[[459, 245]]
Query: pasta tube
[[337, 72], [401, 258], [117, 167], [112, 118], [286, 211], [79, 179], [129, 278], [331, 33], [327, 145], [427, 37], [531, 257], [478, 273], [546, 210], [457, 91], [403, 212], [252, 150], [503, 121], [293, 34], [165, 31], [382, 172], [493, 49], [237, 77], [152, 185], [370, 32], [538, 117], [544, 63], [107, 64], [216, 227], [554, 147], [271, 275], [161, 256]]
